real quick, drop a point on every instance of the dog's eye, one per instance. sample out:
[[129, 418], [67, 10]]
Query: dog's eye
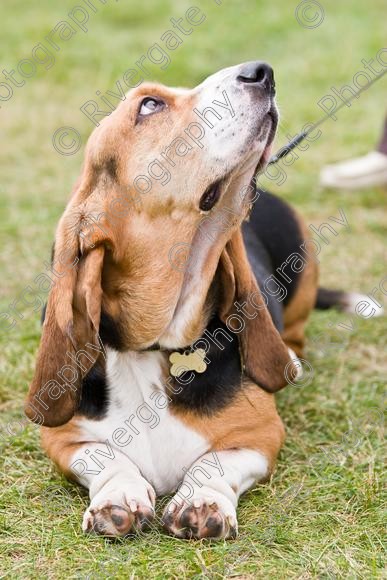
[[151, 105]]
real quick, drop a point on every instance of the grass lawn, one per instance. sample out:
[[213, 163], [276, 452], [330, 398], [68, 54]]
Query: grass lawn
[[320, 516]]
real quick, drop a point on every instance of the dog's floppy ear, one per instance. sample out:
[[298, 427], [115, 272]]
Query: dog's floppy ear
[[266, 359], [70, 343]]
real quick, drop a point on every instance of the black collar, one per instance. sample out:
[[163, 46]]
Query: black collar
[[211, 390]]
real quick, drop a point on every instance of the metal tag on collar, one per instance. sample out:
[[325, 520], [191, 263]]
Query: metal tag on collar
[[187, 361]]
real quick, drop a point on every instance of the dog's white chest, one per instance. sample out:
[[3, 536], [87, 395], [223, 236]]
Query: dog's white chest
[[139, 423]]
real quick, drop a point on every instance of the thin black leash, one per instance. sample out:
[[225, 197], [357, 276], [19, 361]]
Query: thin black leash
[[301, 136]]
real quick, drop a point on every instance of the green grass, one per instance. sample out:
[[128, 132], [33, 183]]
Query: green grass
[[320, 517]]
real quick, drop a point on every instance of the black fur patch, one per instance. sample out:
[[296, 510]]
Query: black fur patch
[[210, 391], [331, 298], [110, 332], [274, 224], [95, 395], [43, 314]]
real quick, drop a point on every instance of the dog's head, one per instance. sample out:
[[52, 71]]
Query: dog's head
[[151, 235]]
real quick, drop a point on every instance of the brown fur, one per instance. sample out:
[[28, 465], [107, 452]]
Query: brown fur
[[121, 265], [302, 303], [67, 330], [264, 354], [141, 290], [250, 421], [60, 444]]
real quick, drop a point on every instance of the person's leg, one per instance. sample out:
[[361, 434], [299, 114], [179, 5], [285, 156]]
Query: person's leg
[[367, 171]]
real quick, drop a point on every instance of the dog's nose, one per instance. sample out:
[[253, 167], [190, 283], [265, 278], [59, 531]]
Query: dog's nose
[[257, 73]]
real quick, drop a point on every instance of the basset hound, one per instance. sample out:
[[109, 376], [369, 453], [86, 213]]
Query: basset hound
[[166, 333]]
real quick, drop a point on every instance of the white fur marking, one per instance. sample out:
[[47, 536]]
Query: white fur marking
[[139, 425], [353, 302], [297, 363]]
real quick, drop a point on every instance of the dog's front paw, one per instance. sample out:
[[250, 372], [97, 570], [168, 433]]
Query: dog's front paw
[[114, 520], [203, 516]]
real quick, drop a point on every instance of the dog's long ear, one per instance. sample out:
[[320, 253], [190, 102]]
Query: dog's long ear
[[70, 343], [266, 359]]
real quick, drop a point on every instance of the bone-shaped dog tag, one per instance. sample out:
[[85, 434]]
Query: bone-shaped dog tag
[[192, 361]]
